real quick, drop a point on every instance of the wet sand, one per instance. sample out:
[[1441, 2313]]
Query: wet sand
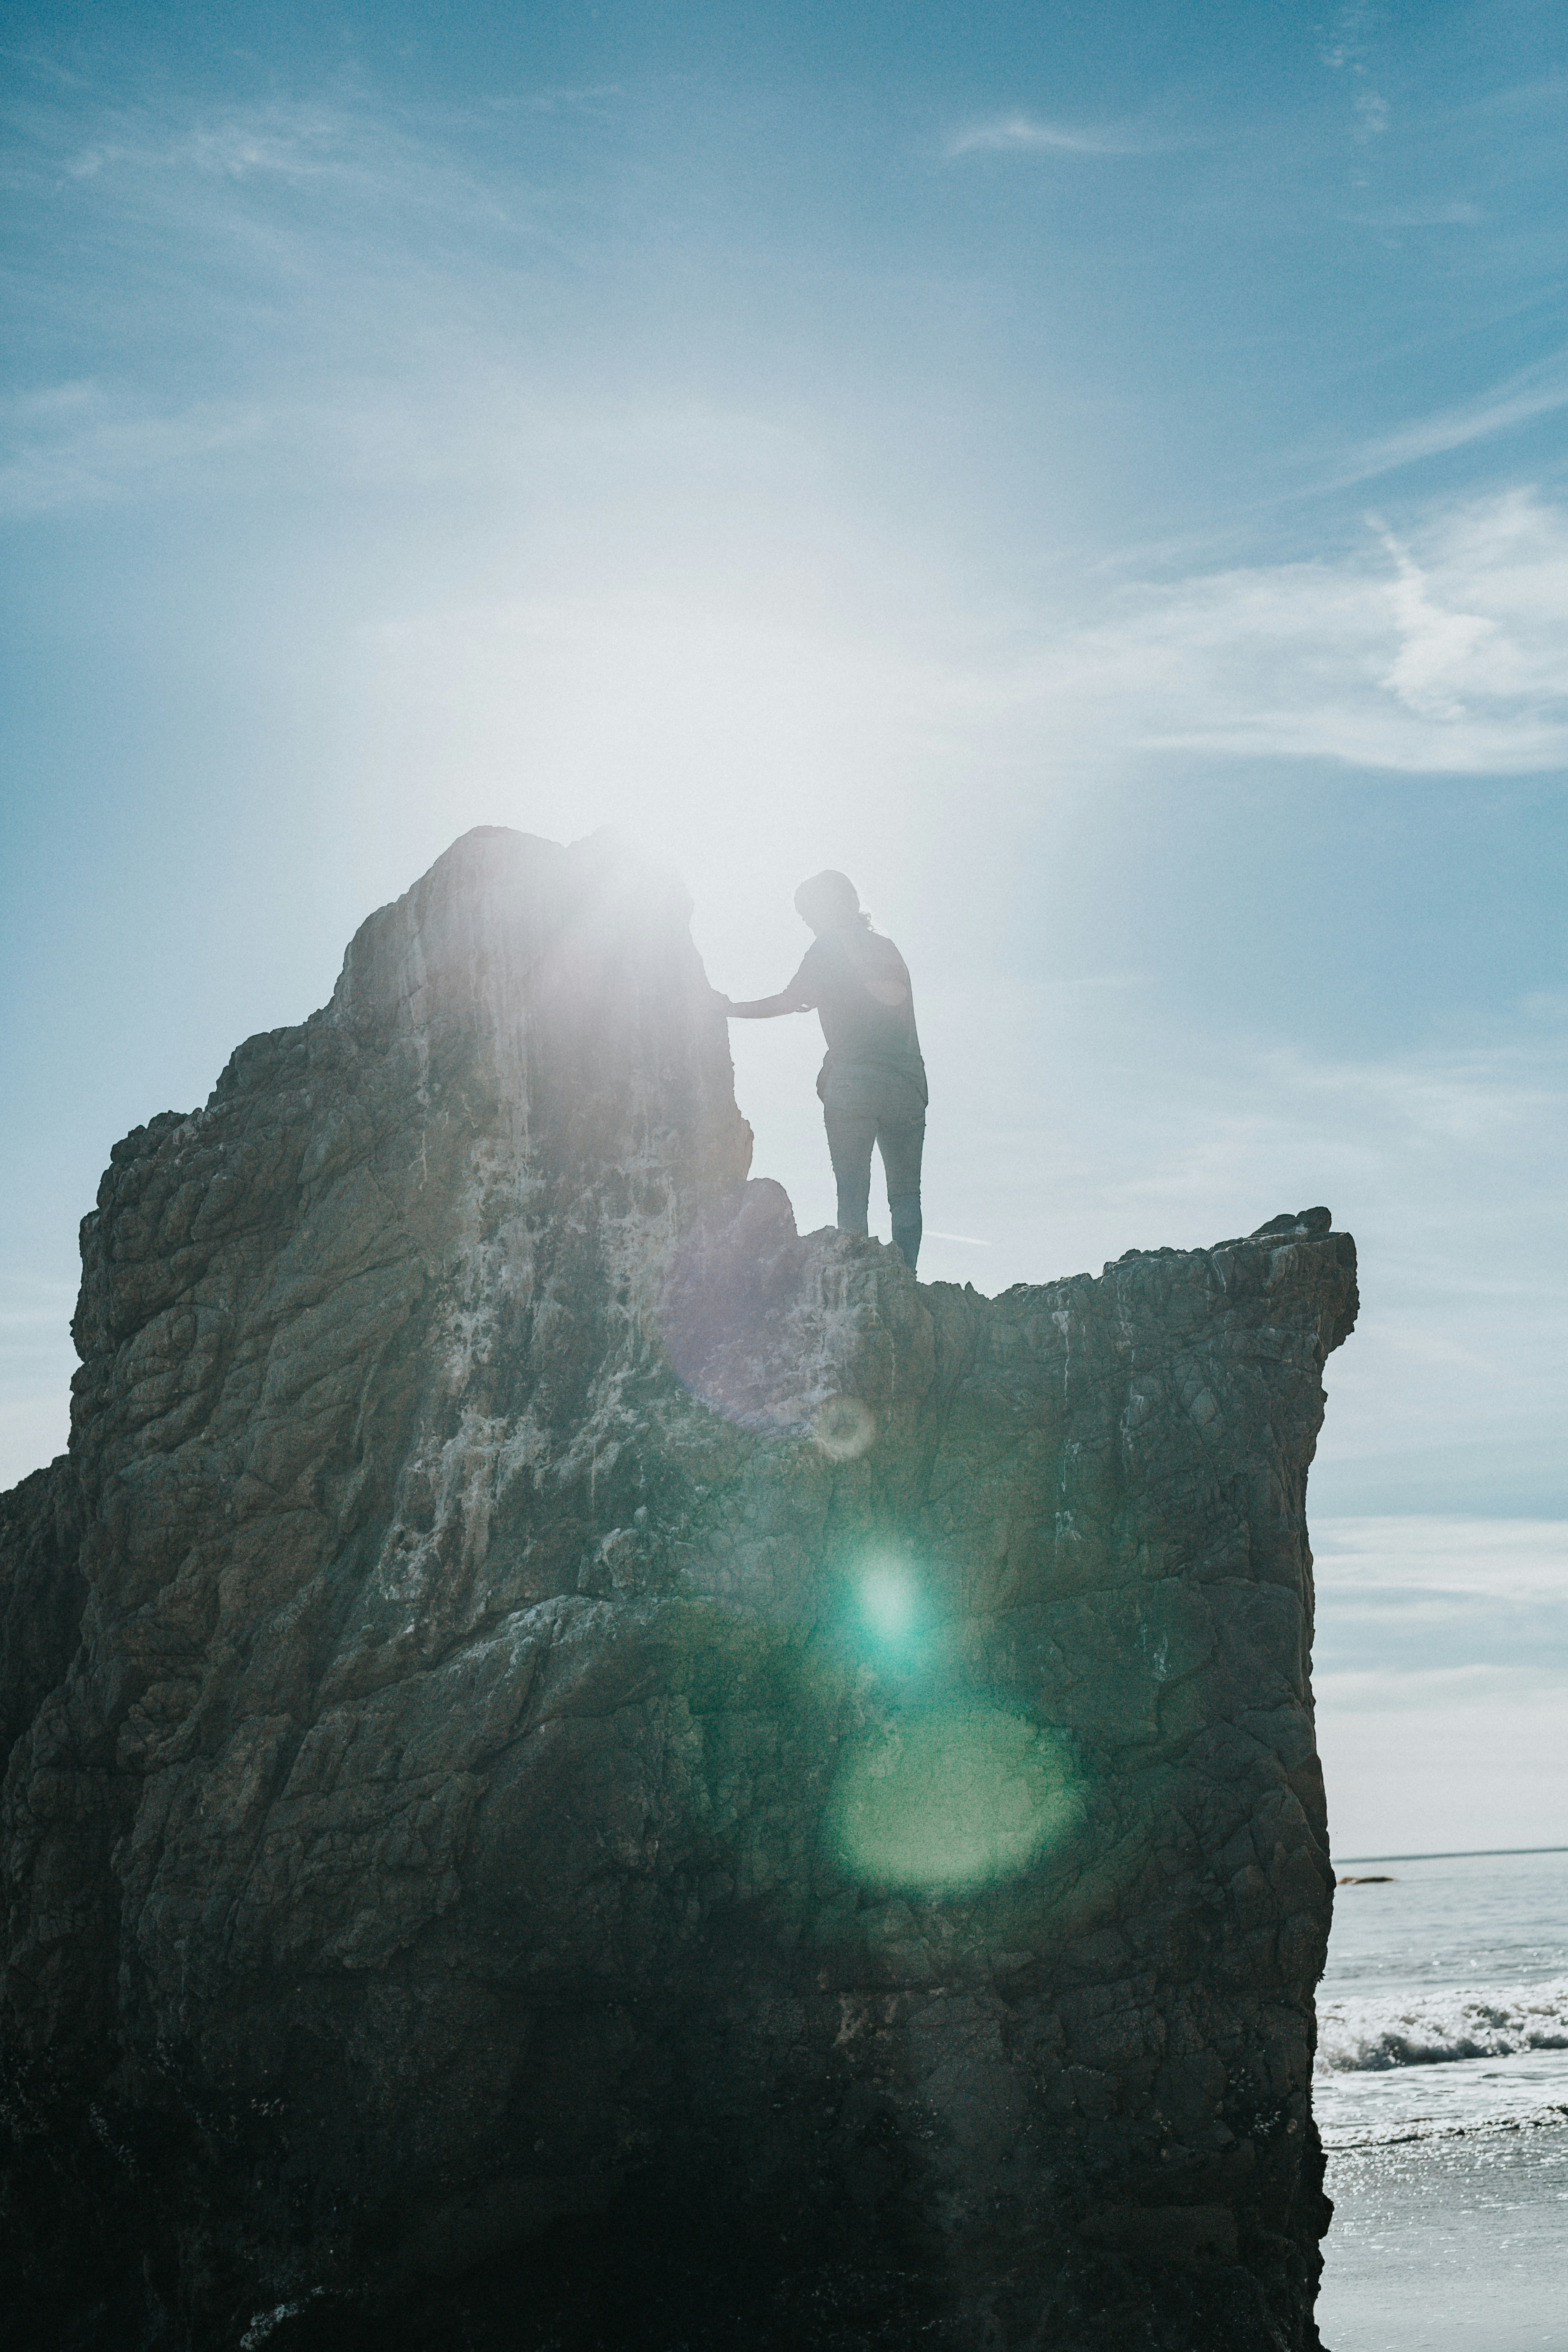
[[1449, 2246]]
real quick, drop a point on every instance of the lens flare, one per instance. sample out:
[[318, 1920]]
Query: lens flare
[[887, 1604], [948, 1800], [845, 1428]]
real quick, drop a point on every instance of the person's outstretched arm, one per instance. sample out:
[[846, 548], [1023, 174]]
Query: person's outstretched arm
[[762, 1008]]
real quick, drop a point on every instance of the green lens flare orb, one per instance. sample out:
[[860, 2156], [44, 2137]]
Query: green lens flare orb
[[951, 1799], [888, 1602]]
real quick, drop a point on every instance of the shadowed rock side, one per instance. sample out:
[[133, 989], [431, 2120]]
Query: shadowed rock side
[[587, 1771]]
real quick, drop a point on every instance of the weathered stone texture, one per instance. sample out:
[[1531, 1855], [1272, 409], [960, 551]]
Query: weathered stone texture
[[434, 1676]]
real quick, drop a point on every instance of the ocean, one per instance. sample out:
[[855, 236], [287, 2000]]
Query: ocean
[[1442, 2097]]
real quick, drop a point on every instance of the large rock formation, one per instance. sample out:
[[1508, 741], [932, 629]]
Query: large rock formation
[[585, 1769]]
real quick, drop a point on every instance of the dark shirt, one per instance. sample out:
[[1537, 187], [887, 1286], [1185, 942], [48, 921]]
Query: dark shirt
[[849, 976]]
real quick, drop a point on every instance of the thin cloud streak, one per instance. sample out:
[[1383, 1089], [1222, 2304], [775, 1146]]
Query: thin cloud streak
[[1020, 135], [1538, 392], [1435, 1689]]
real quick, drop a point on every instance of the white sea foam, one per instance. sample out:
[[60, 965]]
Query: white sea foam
[[1433, 2029], [1369, 2135]]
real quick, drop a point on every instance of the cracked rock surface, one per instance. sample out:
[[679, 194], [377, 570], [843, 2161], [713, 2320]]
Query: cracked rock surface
[[586, 1770]]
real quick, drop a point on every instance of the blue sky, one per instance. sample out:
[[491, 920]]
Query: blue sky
[[1095, 473]]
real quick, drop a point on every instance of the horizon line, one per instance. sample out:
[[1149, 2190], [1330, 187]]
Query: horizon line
[[1454, 1854]]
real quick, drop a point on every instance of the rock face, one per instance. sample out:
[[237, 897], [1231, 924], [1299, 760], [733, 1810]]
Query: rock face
[[585, 1769]]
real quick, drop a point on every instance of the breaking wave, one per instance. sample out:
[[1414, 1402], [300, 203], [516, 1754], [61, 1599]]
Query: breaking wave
[[1434, 2028]]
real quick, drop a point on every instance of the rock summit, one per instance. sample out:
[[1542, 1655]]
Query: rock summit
[[585, 1769]]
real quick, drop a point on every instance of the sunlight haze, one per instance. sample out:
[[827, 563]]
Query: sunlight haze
[[1096, 477]]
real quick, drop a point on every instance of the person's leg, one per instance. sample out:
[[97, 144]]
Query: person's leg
[[903, 1141], [851, 1135]]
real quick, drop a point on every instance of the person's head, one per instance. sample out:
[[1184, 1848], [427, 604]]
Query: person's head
[[829, 902]]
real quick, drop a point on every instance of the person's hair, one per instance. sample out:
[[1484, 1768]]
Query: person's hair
[[830, 902]]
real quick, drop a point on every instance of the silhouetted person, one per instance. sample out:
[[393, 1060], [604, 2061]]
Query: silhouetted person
[[873, 1083]]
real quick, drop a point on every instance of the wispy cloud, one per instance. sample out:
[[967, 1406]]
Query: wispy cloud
[[343, 288], [1440, 1689], [77, 445], [1368, 1561], [592, 98], [1474, 1600], [293, 145], [1443, 651], [1345, 49], [1021, 134], [179, 191], [1518, 400]]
